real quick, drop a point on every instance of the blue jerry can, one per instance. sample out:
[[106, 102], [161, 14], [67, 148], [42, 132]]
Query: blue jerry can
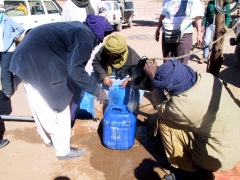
[[118, 95], [119, 127], [87, 106]]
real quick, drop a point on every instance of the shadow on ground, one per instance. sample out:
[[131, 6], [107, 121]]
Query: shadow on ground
[[231, 73], [145, 23]]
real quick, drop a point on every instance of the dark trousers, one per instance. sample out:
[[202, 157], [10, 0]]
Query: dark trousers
[[6, 75], [178, 49]]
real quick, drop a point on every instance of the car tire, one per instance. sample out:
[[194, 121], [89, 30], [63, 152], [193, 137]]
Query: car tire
[[237, 54], [118, 27], [130, 23]]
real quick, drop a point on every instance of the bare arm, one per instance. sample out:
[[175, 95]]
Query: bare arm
[[198, 22], [157, 33]]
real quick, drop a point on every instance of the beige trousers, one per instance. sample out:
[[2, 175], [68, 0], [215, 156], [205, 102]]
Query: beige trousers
[[177, 145]]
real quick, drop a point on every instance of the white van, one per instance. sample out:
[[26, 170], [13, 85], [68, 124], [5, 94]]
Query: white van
[[32, 13], [114, 15]]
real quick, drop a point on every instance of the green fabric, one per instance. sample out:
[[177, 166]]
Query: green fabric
[[116, 47], [86, 4], [209, 14]]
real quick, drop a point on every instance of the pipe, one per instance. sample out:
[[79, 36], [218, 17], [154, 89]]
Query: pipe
[[224, 11], [23, 118]]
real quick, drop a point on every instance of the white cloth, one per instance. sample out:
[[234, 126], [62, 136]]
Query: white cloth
[[51, 125], [71, 12], [12, 48], [89, 67], [179, 13]]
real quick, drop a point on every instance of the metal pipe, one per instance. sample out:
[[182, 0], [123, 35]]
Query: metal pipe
[[224, 11], [15, 118]]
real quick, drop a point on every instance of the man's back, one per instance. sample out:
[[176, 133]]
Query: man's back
[[72, 12]]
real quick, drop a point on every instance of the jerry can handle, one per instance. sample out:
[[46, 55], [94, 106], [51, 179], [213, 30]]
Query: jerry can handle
[[118, 107], [117, 86]]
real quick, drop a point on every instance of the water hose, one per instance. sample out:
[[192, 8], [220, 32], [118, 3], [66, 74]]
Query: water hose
[[225, 11]]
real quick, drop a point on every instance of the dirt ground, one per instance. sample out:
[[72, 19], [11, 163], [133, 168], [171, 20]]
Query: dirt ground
[[26, 157]]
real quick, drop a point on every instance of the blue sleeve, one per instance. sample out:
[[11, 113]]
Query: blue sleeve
[[77, 60], [17, 27]]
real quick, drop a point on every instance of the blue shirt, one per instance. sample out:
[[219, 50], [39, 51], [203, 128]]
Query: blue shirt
[[11, 30]]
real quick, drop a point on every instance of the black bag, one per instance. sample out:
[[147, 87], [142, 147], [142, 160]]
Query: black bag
[[172, 36], [140, 79]]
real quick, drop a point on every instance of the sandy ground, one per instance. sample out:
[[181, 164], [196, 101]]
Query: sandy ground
[[26, 157]]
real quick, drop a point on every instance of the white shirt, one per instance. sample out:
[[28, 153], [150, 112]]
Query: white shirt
[[179, 13], [73, 13]]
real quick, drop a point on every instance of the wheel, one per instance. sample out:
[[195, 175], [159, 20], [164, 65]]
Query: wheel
[[118, 27], [130, 23], [237, 54]]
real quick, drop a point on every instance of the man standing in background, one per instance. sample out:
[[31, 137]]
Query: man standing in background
[[9, 32], [176, 23]]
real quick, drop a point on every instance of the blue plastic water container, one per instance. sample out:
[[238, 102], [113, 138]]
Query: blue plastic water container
[[86, 106], [119, 127], [118, 95]]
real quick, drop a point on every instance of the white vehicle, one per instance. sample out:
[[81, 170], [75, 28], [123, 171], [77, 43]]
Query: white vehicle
[[114, 15], [32, 13], [236, 41], [128, 12]]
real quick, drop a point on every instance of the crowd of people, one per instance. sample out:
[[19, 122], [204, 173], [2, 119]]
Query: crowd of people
[[198, 120]]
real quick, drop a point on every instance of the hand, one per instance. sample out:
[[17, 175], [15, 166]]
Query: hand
[[157, 34], [102, 96], [107, 81], [150, 68], [125, 82], [224, 30], [18, 40], [199, 39]]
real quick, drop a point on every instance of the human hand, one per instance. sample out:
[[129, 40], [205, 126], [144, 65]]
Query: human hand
[[224, 30], [199, 39], [102, 96], [150, 68], [18, 40], [194, 46], [157, 34], [125, 82], [107, 81]]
